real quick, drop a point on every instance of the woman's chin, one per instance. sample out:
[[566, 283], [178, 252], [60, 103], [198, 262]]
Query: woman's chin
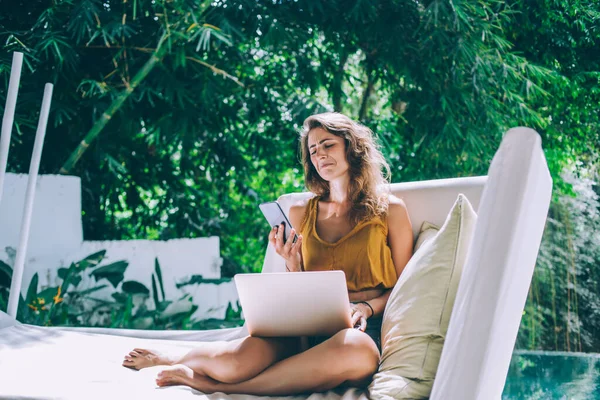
[[330, 174], [325, 176]]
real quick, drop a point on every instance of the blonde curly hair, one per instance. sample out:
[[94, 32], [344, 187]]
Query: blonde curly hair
[[368, 190]]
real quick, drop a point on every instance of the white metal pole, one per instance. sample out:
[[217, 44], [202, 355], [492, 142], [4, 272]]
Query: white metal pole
[[15, 286], [9, 115]]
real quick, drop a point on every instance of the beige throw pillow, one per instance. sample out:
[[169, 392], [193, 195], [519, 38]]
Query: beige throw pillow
[[417, 314], [426, 233]]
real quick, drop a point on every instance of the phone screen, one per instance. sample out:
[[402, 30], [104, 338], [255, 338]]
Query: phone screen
[[275, 216]]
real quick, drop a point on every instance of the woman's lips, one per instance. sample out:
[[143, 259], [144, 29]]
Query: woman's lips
[[326, 165]]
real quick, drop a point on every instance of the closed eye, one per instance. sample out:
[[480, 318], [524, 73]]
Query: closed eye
[[312, 153]]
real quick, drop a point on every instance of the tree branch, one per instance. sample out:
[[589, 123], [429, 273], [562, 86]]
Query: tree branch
[[114, 107], [214, 69]]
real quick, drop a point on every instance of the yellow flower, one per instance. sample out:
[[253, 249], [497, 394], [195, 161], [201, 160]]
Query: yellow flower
[[41, 301], [57, 298], [34, 308]]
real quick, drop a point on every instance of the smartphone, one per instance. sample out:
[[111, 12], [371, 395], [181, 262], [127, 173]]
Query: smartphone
[[275, 215]]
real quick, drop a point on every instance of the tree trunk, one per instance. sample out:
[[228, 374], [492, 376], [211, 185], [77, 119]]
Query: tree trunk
[[338, 80], [367, 93]]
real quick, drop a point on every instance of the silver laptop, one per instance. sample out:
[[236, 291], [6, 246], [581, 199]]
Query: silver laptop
[[294, 303]]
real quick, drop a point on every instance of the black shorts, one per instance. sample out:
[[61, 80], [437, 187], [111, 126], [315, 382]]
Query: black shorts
[[373, 330]]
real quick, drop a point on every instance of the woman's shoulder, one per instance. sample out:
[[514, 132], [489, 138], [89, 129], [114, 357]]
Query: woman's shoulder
[[301, 205], [396, 208], [298, 206], [396, 203], [298, 210]]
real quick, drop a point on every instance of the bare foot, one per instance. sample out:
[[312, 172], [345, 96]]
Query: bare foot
[[180, 374], [143, 358]]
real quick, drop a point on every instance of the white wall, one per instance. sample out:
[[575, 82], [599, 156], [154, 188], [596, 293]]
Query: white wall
[[56, 240], [179, 259], [56, 218]]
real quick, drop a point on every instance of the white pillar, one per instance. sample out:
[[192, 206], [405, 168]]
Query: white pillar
[[9, 115], [15, 287]]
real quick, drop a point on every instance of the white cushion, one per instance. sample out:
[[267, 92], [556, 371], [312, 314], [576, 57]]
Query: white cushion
[[416, 317]]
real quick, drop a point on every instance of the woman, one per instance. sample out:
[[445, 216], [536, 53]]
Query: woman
[[352, 224]]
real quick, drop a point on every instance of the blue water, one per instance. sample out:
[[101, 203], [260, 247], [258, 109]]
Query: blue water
[[544, 375]]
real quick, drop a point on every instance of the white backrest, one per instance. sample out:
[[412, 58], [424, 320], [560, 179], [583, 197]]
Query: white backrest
[[498, 271], [425, 200]]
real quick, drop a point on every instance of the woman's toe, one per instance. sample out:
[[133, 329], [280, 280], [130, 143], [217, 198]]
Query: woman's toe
[[164, 379]]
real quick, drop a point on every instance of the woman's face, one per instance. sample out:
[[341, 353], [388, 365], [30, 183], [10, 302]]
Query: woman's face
[[327, 153]]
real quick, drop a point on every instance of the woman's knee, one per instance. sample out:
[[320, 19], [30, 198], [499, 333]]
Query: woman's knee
[[359, 352]]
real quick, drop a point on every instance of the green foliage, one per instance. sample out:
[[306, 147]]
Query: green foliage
[[210, 131], [563, 308], [198, 140], [233, 318], [69, 305], [564, 36]]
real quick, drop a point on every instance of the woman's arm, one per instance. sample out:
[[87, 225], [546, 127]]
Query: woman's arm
[[400, 234], [400, 240]]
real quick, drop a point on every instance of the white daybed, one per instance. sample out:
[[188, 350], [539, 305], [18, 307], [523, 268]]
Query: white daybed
[[512, 203]]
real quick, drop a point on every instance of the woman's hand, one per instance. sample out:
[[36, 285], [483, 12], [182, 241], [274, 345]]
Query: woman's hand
[[359, 316], [286, 249]]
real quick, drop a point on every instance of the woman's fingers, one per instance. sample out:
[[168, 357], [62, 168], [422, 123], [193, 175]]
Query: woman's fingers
[[287, 249], [363, 323], [355, 318], [272, 235], [280, 230], [296, 246], [288, 245], [359, 320], [275, 238]]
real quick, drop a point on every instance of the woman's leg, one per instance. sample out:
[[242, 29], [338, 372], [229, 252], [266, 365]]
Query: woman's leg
[[349, 356], [230, 362]]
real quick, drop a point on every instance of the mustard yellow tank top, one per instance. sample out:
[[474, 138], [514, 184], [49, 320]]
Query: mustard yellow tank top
[[363, 253]]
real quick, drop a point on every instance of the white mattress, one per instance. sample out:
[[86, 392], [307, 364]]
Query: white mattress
[[54, 363]]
